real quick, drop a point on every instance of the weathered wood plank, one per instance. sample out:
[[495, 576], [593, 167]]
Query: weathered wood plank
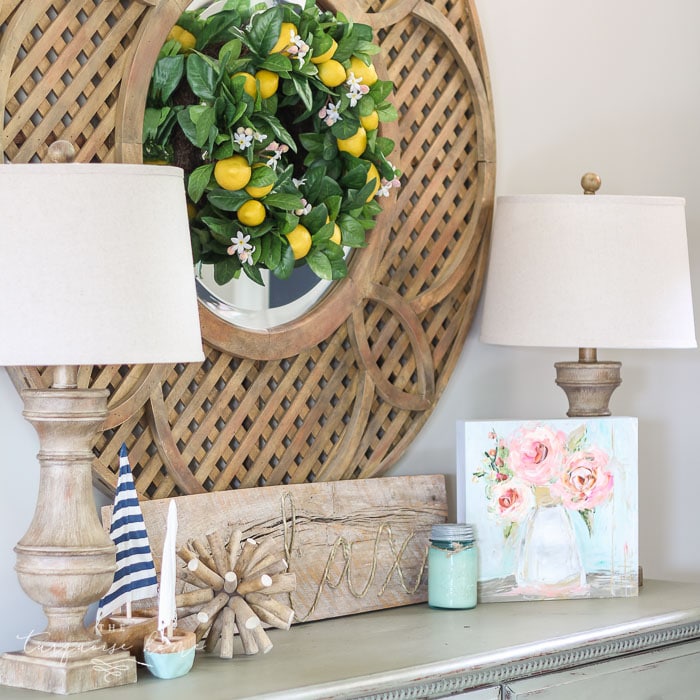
[[354, 545]]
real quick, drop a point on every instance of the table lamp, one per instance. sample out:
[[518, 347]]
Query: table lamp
[[96, 269], [589, 272]]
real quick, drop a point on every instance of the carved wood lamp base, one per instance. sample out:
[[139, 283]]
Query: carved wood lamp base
[[588, 384], [106, 670]]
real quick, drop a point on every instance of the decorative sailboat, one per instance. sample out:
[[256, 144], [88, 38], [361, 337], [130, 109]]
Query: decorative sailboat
[[169, 652], [135, 577]]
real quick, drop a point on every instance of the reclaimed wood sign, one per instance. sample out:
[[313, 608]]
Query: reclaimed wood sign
[[354, 546]]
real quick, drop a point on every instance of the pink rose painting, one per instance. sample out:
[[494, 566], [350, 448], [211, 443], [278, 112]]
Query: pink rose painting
[[554, 505]]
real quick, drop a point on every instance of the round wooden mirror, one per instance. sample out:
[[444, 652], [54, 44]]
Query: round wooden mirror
[[340, 391]]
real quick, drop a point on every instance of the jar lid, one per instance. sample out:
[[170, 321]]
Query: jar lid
[[452, 532]]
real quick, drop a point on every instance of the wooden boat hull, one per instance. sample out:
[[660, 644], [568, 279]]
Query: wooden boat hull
[[127, 633]]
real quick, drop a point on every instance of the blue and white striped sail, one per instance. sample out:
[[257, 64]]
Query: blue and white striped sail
[[135, 577]]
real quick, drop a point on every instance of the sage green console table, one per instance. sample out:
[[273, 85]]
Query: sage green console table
[[643, 648]]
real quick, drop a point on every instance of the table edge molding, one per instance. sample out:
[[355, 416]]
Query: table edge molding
[[522, 668]]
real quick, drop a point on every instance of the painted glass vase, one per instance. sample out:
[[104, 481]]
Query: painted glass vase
[[549, 560]]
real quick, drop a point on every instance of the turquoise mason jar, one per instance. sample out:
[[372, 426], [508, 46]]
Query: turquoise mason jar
[[452, 566]]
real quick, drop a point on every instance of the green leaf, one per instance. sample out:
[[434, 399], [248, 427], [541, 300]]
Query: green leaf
[[189, 128], [201, 77], [262, 177], [286, 202], [339, 265], [286, 264], [587, 516], [329, 188], [265, 31], [152, 119], [229, 52], [333, 205], [271, 251], [372, 208], [198, 181], [277, 63], [253, 273], [366, 106], [314, 180], [368, 48], [303, 90], [167, 75], [346, 127], [577, 438], [384, 145], [381, 90], [330, 148], [227, 200], [387, 112], [323, 233], [319, 263], [352, 231], [313, 143], [218, 29], [316, 218], [203, 118], [356, 177], [225, 270], [196, 247], [277, 129]]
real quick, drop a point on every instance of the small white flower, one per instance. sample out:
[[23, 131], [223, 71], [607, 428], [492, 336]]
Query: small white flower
[[278, 150], [299, 183], [298, 48], [330, 114], [352, 82], [239, 244], [246, 256], [357, 89], [306, 208], [383, 191], [243, 137], [259, 137]]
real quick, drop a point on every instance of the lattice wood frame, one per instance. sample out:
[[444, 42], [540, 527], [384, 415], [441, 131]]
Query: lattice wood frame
[[342, 391]]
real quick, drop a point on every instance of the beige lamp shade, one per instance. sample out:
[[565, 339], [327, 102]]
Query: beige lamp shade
[[96, 266], [589, 272]]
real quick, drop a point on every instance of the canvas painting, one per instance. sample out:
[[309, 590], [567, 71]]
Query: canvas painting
[[554, 505]]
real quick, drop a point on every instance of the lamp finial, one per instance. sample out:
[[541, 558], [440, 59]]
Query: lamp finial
[[61, 152], [590, 183]]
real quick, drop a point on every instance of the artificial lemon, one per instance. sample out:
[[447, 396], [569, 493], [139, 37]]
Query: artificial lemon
[[354, 145], [269, 82], [232, 173], [373, 174], [251, 213], [371, 121], [326, 55], [249, 86], [261, 191], [300, 241], [336, 237], [362, 70], [331, 73], [287, 31], [186, 39]]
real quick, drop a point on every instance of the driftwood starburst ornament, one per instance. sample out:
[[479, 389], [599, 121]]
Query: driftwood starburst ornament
[[232, 587]]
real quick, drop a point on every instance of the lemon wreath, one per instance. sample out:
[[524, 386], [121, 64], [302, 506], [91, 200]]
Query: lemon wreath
[[273, 113]]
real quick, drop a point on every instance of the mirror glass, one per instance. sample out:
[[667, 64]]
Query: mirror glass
[[244, 303]]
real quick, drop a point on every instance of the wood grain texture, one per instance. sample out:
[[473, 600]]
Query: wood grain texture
[[354, 545], [341, 392]]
